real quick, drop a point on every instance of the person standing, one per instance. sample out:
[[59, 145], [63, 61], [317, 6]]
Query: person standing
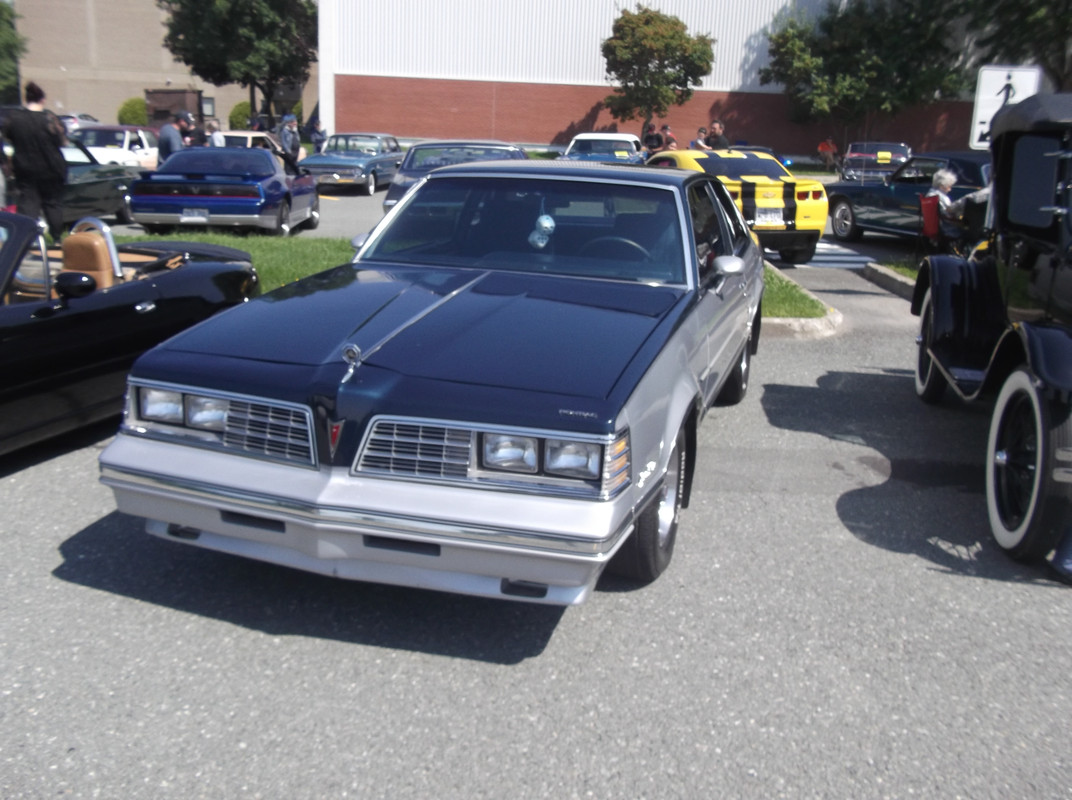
[[653, 140], [700, 142], [215, 135], [290, 137], [317, 136], [828, 152], [171, 135], [38, 166], [716, 136]]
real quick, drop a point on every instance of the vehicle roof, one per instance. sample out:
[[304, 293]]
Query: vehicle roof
[[607, 135], [587, 170], [464, 143], [363, 133], [976, 156], [1039, 112]]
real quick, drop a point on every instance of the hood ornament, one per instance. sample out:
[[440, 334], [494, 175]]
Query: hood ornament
[[351, 354]]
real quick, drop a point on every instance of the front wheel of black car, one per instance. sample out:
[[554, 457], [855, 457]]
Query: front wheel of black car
[[282, 220], [843, 222], [123, 214], [930, 383], [736, 385], [1030, 439], [370, 184], [648, 550]]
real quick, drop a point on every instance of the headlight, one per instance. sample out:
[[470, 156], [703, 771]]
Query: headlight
[[206, 413], [510, 452], [574, 459], [160, 405]]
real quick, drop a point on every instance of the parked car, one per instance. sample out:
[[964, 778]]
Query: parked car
[[263, 139], [622, 148], [368, 160], [228, 187], [872, 161], [891, 205], [94, 189], [1000, 323], [423, 157], [73, 320], [499, 397], [76, 120], [787, 213], [129, 145]]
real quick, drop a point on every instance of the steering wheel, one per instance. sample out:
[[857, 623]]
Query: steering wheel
[[627, 247]]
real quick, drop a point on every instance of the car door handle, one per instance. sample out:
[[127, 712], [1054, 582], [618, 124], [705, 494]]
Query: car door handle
[[145, 306]]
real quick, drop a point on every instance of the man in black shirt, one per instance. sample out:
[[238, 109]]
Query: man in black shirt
[[38, 165]]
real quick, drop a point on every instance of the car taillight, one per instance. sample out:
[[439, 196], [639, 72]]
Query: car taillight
[[814, 194]]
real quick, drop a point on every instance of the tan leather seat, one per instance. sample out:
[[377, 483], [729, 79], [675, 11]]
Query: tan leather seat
[[88, 252]]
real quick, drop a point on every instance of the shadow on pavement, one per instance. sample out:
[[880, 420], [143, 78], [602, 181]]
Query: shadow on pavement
[[114, 554]]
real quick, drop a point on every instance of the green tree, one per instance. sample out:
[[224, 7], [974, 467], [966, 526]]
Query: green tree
[[654, 62], [865, 59], [12, 46], [260, 44], [1025, 32], [133, 112]]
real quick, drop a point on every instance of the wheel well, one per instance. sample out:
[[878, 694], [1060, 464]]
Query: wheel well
[[1009, 355]]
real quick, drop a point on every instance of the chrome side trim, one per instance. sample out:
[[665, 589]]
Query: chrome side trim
[[361, 521]]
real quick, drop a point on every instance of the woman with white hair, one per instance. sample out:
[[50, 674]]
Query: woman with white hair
[[942, 183]]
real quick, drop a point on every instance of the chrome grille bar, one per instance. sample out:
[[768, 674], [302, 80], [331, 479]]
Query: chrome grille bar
[[420, 450]]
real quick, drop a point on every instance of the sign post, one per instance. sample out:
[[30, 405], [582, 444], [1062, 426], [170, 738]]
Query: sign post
[[999, 86]]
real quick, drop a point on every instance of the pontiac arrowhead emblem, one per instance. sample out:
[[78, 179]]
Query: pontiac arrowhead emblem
[[334, 435]]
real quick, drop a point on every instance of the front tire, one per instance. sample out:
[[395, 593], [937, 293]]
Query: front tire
[[1028, 508], [370, 184], [646, 554], [930, 383], [123, 215], [736, 385], [843, 222]]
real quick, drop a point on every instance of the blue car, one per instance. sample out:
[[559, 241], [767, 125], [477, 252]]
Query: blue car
[[367, 160], [891, 204], [227, 187], [501, 396], [619, 148]]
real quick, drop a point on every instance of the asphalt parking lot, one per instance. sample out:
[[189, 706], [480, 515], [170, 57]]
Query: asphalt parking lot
[[836, 623]]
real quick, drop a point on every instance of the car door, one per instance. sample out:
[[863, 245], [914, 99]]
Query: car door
[[721, 310], [65, 363]]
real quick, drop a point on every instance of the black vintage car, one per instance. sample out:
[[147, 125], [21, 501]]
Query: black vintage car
[[74, 318], [1000, 323]]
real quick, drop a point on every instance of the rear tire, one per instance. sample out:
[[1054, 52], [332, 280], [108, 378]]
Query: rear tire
[[800, 255], [646, 554], [282, 220], [930, 383], [1028, 508], [314, 214]]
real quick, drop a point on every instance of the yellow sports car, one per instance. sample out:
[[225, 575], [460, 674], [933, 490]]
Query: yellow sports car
[[788, 214]]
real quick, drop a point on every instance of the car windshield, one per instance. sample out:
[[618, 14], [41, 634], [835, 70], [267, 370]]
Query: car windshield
[[369, 145], [580, 228], [425, 159], [872, 150], [221, 161], [735, 168], [75, 157], [602, 146]]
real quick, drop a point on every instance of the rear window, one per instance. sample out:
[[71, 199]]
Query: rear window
[[734, 168], [221, 161], [425, 159]]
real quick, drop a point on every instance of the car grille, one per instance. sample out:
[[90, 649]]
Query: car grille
[[417, 450], [259, 428]]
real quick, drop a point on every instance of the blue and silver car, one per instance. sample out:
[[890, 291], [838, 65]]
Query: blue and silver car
[[368, 160], [617, 148], [229, 187], [500, 396]]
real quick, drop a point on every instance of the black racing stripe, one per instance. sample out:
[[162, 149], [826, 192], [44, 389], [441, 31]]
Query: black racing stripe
[[789, 198], [748, 200]]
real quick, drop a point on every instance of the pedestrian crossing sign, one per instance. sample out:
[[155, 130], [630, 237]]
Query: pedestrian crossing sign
[[999, 86]]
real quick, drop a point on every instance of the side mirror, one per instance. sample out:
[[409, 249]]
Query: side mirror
[[728, 265], [73, 285]]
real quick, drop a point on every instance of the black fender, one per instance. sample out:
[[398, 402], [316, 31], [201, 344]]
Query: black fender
[[1048, 352], [969, 313]]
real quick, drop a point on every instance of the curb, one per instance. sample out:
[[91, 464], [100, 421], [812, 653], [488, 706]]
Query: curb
[[806, 327], [889, 280]]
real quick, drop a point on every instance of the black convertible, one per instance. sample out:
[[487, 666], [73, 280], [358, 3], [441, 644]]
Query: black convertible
[[73, 319]]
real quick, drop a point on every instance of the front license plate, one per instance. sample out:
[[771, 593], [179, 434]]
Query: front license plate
[[769, 216], [194, 215]]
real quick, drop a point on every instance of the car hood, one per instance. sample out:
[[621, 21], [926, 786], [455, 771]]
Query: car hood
[[494, 329]]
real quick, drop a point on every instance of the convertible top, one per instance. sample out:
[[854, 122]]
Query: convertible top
[[1040, 112]]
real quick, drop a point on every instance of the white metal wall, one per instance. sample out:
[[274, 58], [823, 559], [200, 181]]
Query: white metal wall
[[535, 41]]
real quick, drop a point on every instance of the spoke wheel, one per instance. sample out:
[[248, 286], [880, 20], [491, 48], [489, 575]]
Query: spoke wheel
[[1030, 438], [843, 222], [648, 550], [930, 383]]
